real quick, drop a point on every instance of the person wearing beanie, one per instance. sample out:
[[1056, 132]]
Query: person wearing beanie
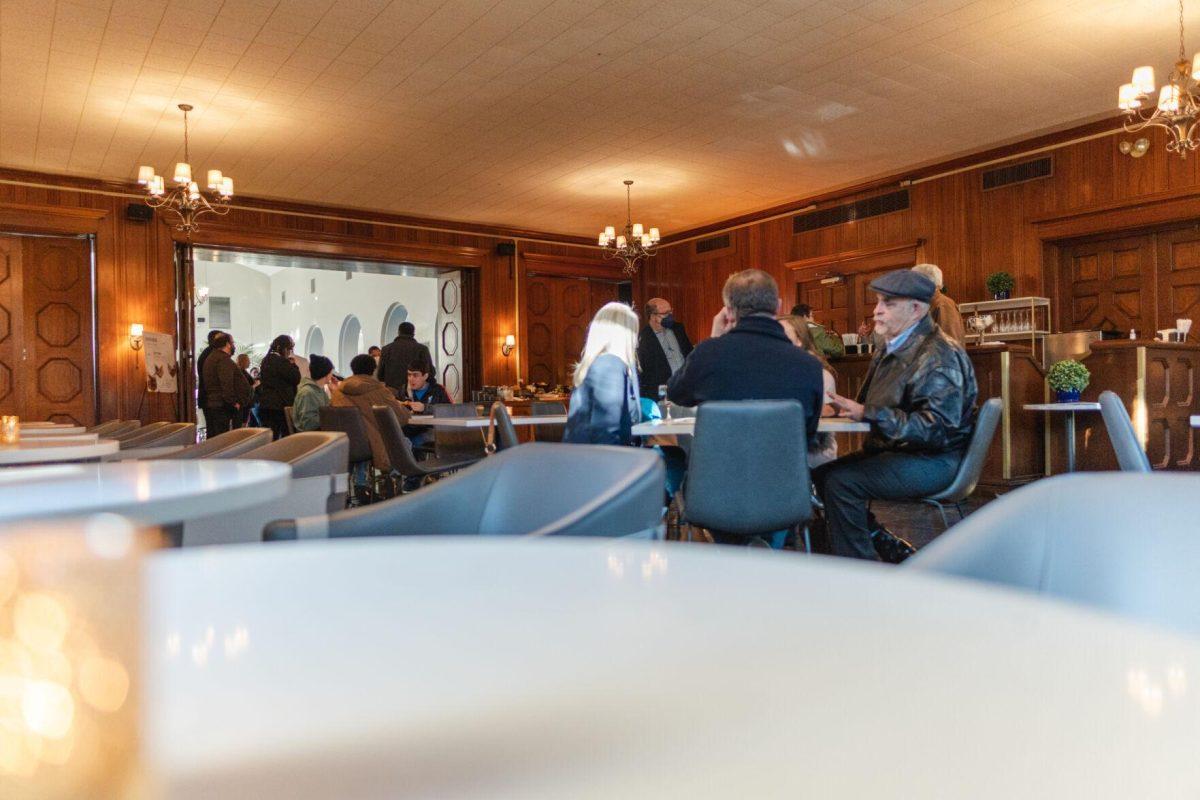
[[311, 395]]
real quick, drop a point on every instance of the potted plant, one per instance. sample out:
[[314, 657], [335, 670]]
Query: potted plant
[[1068, 378], [829, 344], [1000, 284]]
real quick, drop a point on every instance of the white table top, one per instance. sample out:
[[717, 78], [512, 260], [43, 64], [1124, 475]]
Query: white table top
[[584, 669], [50, 429], [482, 422], [687, 427], [42, 435], [55, 449], [1081, 406], [153, 492]]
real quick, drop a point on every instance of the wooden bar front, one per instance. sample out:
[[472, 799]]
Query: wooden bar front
[[1157, 382], [1006, 371]]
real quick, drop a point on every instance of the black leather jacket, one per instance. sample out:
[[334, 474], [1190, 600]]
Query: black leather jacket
[[922, 397]]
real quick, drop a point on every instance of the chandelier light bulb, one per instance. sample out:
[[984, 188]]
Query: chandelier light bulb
[[1196, 67], [1128, 97], [620, 242], [646, 240], [637, 230], [183, 173], [145, 175], [654, 237], [1143, 79], [157, 186], [193, 191], [610, 232], [1168, 99], [214, 179], [603, 240], [226, 189]]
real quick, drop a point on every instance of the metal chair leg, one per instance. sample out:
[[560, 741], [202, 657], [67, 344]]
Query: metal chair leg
[[807, 541]]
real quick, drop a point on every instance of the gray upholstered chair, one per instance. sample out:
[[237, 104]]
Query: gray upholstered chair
[[116, 427], [349, 420], [548, 408], [136, 430], [971, 468], [1130, 455], [1118, 541], [506, 432], [170, 434], [457, 444], [225, 445], [400, 452], [317, 485], [538, 489], [748, 469]]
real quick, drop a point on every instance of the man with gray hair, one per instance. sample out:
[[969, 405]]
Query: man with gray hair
[[663, 344], [749, 357], [942, 309]]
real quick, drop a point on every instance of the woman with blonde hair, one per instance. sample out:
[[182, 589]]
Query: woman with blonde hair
[[825, 449], [604, 405]]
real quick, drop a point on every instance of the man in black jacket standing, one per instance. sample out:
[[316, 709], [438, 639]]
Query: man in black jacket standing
[[396, 357], [227, 392], [749, 357], [919, 396], [663, 345]]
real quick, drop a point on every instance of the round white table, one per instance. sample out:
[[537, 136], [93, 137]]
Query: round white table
[[1070, 409], [30, 430], [56, 449], [584, 669], [151, 492]]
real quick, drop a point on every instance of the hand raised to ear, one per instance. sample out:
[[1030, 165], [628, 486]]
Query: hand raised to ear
[[722, 322]]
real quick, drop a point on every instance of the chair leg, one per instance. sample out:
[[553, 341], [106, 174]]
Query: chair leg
[[807, 541], [962, 514]]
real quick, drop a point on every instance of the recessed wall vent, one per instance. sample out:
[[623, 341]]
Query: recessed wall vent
[[849, 212], [1018, 173], [712, 243]]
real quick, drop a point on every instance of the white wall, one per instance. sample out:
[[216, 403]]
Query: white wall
[[259, 314]]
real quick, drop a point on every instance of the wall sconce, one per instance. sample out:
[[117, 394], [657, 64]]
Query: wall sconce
[[135, 336], [510, 344], [199, 296]]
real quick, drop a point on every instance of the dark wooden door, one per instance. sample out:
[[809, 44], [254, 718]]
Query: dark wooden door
[[558, 310], [1108, 284], [48, 348], [830, 303], [1178, 276]]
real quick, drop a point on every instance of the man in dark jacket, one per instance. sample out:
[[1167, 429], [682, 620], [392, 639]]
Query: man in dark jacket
[[663, 345], [227, 392], [201, 394], [396, 357], [749, 356], [919, 396], [420, 392]]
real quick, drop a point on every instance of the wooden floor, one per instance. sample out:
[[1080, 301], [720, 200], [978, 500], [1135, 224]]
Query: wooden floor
[[919, 523]]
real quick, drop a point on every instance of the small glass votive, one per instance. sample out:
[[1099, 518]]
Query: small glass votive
[[10, 429]]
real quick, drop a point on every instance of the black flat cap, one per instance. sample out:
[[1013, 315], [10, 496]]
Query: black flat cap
[[905, 283]]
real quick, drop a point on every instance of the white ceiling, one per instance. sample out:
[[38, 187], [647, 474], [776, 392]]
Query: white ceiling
[[531, 112]]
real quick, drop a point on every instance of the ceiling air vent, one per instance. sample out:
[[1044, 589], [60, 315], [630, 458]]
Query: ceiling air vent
[[1018, 173], [849, 212], [712, 243]]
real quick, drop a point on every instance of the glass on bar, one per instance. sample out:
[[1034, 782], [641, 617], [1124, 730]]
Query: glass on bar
[[10, 429]]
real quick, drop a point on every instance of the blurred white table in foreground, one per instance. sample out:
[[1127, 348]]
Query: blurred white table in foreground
[[151, 492], [482, 422], [50, 429], [686, 426], [470, 667], [56, 449]]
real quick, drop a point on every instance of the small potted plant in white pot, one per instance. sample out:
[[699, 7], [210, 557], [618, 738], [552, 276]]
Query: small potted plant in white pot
[[1068, 378], [1001, 284]]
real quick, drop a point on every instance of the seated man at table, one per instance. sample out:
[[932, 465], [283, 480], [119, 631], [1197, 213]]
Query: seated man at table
[[919, 396], [421, 392], [749, 357], [363, 391]]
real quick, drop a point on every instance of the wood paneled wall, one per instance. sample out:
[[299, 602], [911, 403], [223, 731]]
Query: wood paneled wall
[[968, 232], [136, 275]]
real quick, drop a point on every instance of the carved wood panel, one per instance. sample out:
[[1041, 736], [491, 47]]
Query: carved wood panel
[[1108, 284], [1178, 276], [11, 397], [57, 366], [558, 311]]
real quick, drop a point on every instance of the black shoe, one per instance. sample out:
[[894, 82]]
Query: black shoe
[[890, 548]]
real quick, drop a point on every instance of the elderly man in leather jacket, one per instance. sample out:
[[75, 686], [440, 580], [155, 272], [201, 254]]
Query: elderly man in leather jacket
[[919, 396]]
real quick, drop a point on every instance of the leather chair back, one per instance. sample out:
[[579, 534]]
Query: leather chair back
[[224, 445], [548, 408], [533, 490], [170, 434], [399, 448], [312, 454], [349, 421], [506, 432], [1130, 455], [107, 430], [971, 467], [1121, 542], [748, 467], [136, 430]]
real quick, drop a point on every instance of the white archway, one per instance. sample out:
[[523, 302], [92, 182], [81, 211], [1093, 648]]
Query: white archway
[[314, 342], [392, 318], [350, 342]]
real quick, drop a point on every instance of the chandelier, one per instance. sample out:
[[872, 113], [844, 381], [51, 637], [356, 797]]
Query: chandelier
[[633, 244], [1178, 105], [185, 199]]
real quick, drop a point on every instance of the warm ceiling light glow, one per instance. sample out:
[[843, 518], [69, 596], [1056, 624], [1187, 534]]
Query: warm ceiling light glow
[[187, 201], [1143, 79], [633, 244], [1177, 111], [145, 175]]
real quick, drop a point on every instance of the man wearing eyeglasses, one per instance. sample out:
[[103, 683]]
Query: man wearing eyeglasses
[[663, 344]]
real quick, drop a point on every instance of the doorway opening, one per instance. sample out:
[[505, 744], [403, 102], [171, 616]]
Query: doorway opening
[[333, 307]]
